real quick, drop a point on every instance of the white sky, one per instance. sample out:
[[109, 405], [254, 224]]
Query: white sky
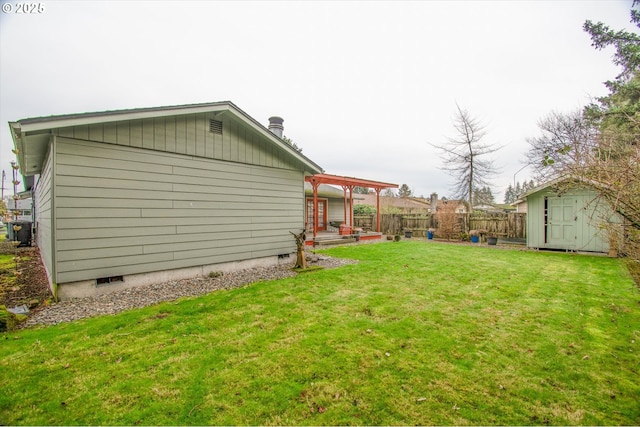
[[362, 86]]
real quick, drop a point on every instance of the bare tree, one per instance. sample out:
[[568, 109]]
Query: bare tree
[[565, 144], [465, 156]]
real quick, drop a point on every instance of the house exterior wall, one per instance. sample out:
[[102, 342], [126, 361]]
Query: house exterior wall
[[336, 210], [587, 235], [190, 135], [535, 220], [122, 209], [43, 206], [521, 207]]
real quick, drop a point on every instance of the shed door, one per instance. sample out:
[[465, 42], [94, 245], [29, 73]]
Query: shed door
[[561, 222]]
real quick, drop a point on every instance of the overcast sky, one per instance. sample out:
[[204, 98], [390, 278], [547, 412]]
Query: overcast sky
[[363, 87]]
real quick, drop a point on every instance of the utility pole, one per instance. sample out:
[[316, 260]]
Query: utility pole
[[4, 176], [514, 175]]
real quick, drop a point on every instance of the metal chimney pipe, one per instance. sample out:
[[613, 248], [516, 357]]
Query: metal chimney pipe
[[275, 126]]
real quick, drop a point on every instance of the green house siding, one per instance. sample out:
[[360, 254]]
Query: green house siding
[[336, 210], [122, 209], [43, 206], [189, 135], [569, 221]]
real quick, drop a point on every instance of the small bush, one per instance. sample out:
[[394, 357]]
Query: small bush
[[364, 210]]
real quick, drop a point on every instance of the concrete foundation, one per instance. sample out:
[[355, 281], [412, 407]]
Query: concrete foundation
[[89, 288]]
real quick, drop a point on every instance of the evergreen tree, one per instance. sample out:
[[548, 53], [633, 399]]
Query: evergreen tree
[[509, 195], [483, 196], [404, 191], [361, 190], [514, 193]]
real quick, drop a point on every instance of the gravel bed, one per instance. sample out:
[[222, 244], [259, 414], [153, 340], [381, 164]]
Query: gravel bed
[[115, 302]]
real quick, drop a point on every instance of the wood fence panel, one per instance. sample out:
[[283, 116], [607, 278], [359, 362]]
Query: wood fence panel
[[419, 224], [366, 222], [511, 225], [390, 223]]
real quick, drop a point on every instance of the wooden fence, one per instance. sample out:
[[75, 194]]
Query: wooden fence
[[511, 225]]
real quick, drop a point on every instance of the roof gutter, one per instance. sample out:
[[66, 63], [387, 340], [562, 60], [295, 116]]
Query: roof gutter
[[17, 135], [82, 119]]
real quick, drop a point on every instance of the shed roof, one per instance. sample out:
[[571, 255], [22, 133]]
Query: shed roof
[[554, 182]]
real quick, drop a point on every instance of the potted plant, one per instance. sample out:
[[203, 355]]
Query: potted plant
[[408, 233], [492, 239], [475, 236], [430, 233]]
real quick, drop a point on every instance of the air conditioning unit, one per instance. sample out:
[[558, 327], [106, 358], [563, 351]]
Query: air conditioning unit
[[20, 231]]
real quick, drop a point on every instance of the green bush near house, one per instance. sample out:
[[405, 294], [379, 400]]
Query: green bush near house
[[364, 210], [416, 333]]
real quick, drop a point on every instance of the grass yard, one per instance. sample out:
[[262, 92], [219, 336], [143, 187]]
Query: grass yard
[[416, 333]]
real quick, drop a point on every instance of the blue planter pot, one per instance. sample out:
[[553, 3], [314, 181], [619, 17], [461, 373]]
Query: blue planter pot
[[429, 235], [475, 239]]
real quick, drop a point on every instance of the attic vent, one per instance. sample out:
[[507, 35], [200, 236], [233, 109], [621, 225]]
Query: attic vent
[[215, 126]]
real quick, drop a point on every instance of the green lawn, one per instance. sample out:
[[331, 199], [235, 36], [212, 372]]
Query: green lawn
[[416, 333]]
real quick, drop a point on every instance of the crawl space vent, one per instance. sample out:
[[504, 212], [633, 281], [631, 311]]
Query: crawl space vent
[[215, 126], [108, 280]]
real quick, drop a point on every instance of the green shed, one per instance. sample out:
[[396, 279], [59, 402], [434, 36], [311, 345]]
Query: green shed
[[568, 217]]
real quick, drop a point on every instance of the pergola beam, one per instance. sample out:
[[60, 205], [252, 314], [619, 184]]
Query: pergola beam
[[349, 183], [323, 178]]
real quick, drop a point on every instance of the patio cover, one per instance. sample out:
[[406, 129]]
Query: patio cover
[[347, 183]]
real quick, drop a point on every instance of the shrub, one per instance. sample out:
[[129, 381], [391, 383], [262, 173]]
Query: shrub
[[364, 210]]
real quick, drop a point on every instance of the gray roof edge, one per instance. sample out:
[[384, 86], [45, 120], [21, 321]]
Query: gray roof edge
[[65, 120], [120, 112]]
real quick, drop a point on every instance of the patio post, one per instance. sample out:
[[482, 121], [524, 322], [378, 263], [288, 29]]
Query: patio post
[[351, 206], [378, 189], [344, 203], [315, 185]]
